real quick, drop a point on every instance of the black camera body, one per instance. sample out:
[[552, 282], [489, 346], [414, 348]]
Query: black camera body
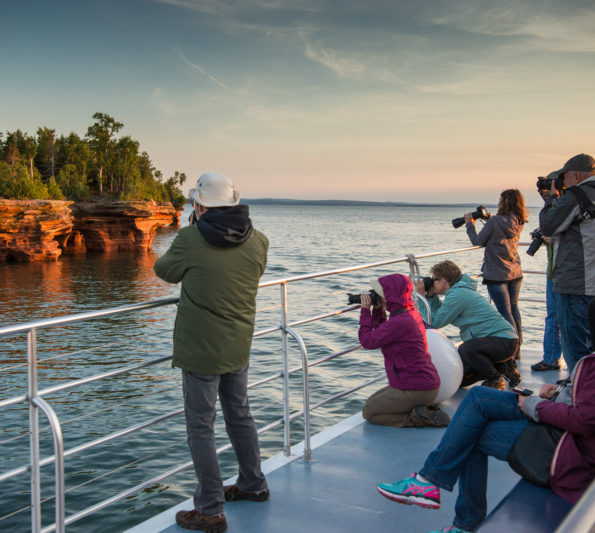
[[428, 283], [357, 298], [545, 184], [480, 212], [537, 241]]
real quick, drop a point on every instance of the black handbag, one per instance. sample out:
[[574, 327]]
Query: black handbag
[[532, 453]]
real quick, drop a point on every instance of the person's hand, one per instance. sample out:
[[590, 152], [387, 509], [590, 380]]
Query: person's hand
[[546, 239], [366, 301], [547, 390], [420, 287], [521, 401], [469, 218]]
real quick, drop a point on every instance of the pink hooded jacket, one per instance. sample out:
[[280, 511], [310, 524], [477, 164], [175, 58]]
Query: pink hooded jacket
[[401, 338]]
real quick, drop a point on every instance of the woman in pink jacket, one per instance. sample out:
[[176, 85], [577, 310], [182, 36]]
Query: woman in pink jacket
[[413, 381]]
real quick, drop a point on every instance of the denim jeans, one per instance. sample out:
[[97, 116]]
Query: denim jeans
[[574, 327], [506, 299], [200, 397], [552, 349], [486, 423]]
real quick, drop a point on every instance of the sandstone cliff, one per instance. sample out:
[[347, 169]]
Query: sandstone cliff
[[41, 230]]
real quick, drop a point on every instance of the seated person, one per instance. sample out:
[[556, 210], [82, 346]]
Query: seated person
[[489, 340], [487, 423], [412, 377]]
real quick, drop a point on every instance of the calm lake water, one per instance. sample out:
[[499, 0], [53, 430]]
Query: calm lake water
[[303, 239]]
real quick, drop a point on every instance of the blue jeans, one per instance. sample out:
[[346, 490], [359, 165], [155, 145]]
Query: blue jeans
[[486, 423], [552, 349], [506, 299], [200, 397], [574, 327]]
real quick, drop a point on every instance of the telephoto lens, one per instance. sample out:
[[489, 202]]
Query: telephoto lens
[[357, 298]]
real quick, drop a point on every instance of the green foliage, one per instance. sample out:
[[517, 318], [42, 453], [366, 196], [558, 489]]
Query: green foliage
[[15, 182], [69, 167], [72, 183]]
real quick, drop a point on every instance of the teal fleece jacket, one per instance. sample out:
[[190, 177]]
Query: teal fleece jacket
[[469, 311]]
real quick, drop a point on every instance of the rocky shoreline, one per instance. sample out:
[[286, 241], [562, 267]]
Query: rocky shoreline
[[43, 230]]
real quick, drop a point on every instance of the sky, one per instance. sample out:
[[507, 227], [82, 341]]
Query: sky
[[385, 100]]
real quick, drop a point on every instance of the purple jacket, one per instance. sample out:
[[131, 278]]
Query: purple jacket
[[402, 338], [573, 465]]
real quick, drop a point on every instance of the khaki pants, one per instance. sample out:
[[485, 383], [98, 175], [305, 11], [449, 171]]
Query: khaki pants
[[391, 407]]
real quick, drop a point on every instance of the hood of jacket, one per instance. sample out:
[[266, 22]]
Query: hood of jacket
[[225, 227], [397, 290]]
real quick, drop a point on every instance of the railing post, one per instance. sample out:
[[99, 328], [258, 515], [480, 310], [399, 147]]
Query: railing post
[[286, 421], [59, 460], [33, 432], [306, 393]]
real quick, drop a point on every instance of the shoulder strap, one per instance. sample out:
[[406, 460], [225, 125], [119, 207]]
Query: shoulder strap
[[587, 209]]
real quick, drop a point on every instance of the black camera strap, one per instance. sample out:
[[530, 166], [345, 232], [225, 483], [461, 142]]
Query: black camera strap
[[587, 209]]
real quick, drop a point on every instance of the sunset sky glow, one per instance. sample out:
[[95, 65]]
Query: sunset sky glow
[[387, 100]]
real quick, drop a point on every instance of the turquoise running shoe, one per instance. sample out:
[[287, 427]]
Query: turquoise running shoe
[[451, 529], [411, 491]]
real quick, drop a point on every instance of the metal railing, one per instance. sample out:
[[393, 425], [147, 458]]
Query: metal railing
[[34, 397]]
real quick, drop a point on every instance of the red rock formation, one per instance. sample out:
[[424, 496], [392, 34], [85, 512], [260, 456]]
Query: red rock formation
[[40, 230], [33, 230], [121, 226]]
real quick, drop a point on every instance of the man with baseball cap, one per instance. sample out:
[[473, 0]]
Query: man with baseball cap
[[219, 258], [570, 220]]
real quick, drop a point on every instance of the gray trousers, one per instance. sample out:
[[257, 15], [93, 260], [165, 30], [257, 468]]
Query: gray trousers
[[200, 398]]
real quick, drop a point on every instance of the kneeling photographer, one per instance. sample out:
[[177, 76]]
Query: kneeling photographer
[[413, 381], [489, 341]]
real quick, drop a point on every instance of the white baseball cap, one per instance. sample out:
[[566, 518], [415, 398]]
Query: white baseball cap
[[215, 190]]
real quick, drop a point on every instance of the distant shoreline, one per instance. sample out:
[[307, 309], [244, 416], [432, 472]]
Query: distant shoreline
[[357, 203], [348, 203]]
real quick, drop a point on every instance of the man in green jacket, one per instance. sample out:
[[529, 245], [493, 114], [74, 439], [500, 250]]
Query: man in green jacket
[[489, 340], [219, 258]]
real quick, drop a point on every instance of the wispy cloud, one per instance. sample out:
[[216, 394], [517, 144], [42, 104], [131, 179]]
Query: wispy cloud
[[205, 73], [342, 65]]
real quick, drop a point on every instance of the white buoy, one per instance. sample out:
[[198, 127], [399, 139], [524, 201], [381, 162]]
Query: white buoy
[[447, 361]]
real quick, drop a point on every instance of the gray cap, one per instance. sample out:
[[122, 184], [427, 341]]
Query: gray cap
[[578, 163]]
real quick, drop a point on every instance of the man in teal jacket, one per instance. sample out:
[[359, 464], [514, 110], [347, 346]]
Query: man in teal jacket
[[219, 258], [489, 340]]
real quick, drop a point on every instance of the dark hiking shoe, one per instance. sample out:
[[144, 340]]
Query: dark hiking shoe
[[232, 493], [511, 374], [495, 383], [542, 366], [429, 416], [201, 522]]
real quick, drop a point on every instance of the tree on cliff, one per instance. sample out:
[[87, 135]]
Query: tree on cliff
[[101, 165], [45, 159], [102, 145]]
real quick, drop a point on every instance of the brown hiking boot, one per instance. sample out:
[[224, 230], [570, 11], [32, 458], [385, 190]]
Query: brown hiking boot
[[429, 416], [232, 493], [201, 522]]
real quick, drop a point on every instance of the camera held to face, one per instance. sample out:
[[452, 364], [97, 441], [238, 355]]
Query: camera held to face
[[536, 243], [480, 212], [545, 184], [357, 299]]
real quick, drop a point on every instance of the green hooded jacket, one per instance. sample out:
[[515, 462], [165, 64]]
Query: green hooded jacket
[[469, 311], [217, 307]]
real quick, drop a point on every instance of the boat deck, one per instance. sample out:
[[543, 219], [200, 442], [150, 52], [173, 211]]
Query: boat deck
[[335, 492]]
